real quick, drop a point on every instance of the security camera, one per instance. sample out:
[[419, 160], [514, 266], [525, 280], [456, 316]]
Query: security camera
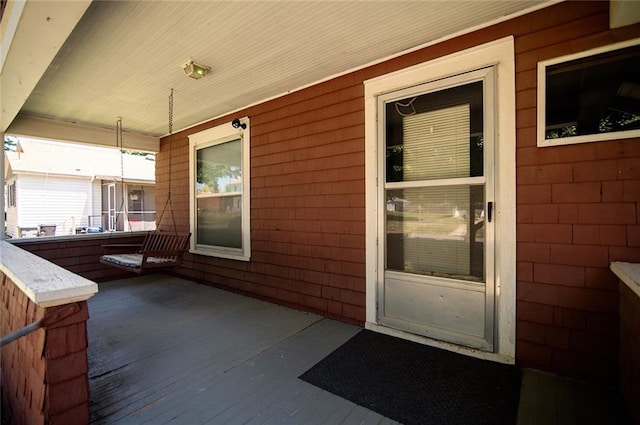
[[237, 124]]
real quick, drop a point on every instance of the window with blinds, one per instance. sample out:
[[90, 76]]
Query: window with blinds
[[435, 188]]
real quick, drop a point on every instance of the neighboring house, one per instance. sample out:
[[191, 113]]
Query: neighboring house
[[62, 189]]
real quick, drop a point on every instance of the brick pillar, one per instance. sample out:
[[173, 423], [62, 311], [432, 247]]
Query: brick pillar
[[44, 374], [66, 369], [630, 350], [23, 380]]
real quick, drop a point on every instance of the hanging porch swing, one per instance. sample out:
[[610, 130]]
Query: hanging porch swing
[[160, 249]]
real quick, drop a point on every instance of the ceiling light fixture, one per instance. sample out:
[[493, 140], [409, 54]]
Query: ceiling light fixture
[[194, 70]]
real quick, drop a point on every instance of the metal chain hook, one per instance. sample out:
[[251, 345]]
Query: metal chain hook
[[170, 137], [175, 228]]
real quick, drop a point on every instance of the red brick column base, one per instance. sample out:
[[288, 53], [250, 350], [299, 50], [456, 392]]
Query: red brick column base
[[44, 374], [630, 350]]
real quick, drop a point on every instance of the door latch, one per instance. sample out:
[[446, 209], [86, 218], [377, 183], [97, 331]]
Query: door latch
[[489, 210]]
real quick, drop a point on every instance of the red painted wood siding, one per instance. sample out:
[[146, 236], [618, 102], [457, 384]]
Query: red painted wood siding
[[80, 254], [577, 206], [307, 197]]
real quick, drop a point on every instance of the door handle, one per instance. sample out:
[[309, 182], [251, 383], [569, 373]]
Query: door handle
[[489, 210]]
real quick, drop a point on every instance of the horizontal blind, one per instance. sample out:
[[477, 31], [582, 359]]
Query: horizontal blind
[[436, 144], [435, 231]]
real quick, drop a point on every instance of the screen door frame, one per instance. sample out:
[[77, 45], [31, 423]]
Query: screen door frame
[[499, 53], [444, 308]]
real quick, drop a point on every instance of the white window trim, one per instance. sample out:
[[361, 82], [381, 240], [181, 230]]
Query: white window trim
[[211, 137], [11, 195], [499, 53], [542, 102]]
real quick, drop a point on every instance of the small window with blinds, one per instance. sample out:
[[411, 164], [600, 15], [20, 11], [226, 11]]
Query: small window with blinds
[[435, 183]]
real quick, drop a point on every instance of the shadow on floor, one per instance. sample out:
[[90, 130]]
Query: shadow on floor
[[550, 399]]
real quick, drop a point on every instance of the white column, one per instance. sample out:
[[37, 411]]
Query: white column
[[2, 206]]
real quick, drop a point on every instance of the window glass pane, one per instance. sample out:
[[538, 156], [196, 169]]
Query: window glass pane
[[219, 168], [141, 207], [593, 95], [220, 221], [219, 195], [12, 194], [437, 231], [435, 135]]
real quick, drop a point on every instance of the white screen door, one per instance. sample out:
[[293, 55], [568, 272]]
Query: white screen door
[[111, 199], [436, 225]]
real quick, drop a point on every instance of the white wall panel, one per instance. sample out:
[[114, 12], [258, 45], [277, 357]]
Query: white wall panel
[[65, 202]]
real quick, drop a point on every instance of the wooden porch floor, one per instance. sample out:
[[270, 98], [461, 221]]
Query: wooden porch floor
[[164, 350]]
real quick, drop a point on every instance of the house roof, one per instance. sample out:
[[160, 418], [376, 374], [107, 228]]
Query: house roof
[[69, 69], [74, 160]]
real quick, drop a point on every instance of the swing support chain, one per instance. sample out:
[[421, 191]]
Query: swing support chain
[[123, 204], [168, 202]]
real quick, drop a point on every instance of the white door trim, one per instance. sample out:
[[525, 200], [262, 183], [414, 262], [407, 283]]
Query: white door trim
[[501, 54]]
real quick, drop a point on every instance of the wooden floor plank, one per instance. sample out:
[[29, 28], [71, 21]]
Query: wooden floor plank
[[164, 350], [272, 372]]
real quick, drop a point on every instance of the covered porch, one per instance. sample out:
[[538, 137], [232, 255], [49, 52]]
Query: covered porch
[[299, 110], [166, 350]]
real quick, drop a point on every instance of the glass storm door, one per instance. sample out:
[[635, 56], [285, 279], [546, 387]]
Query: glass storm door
[[436, 224]]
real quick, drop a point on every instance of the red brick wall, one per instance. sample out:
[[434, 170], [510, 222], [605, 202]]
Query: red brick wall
[[630, 350], [577, 205], [44, 374]]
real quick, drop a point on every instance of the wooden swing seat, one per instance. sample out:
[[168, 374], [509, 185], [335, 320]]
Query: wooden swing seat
[[159, 250]]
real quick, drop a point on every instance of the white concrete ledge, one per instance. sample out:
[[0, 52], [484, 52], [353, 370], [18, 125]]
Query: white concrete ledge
[[43, 282], [109, 237], [629, 273]]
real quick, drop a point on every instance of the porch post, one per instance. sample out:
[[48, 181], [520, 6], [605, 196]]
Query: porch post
[[44, 373], [2, 206]]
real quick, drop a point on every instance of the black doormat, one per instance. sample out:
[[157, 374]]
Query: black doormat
[[417, 384]]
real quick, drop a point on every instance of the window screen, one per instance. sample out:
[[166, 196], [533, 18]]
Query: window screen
[[593, 95]]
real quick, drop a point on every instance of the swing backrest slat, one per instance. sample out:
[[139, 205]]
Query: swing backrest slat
[[158, 250]]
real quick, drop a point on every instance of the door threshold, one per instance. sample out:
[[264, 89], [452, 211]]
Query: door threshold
[[471, 352]]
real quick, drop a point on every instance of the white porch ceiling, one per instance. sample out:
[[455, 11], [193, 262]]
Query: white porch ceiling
[[123, 57]]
